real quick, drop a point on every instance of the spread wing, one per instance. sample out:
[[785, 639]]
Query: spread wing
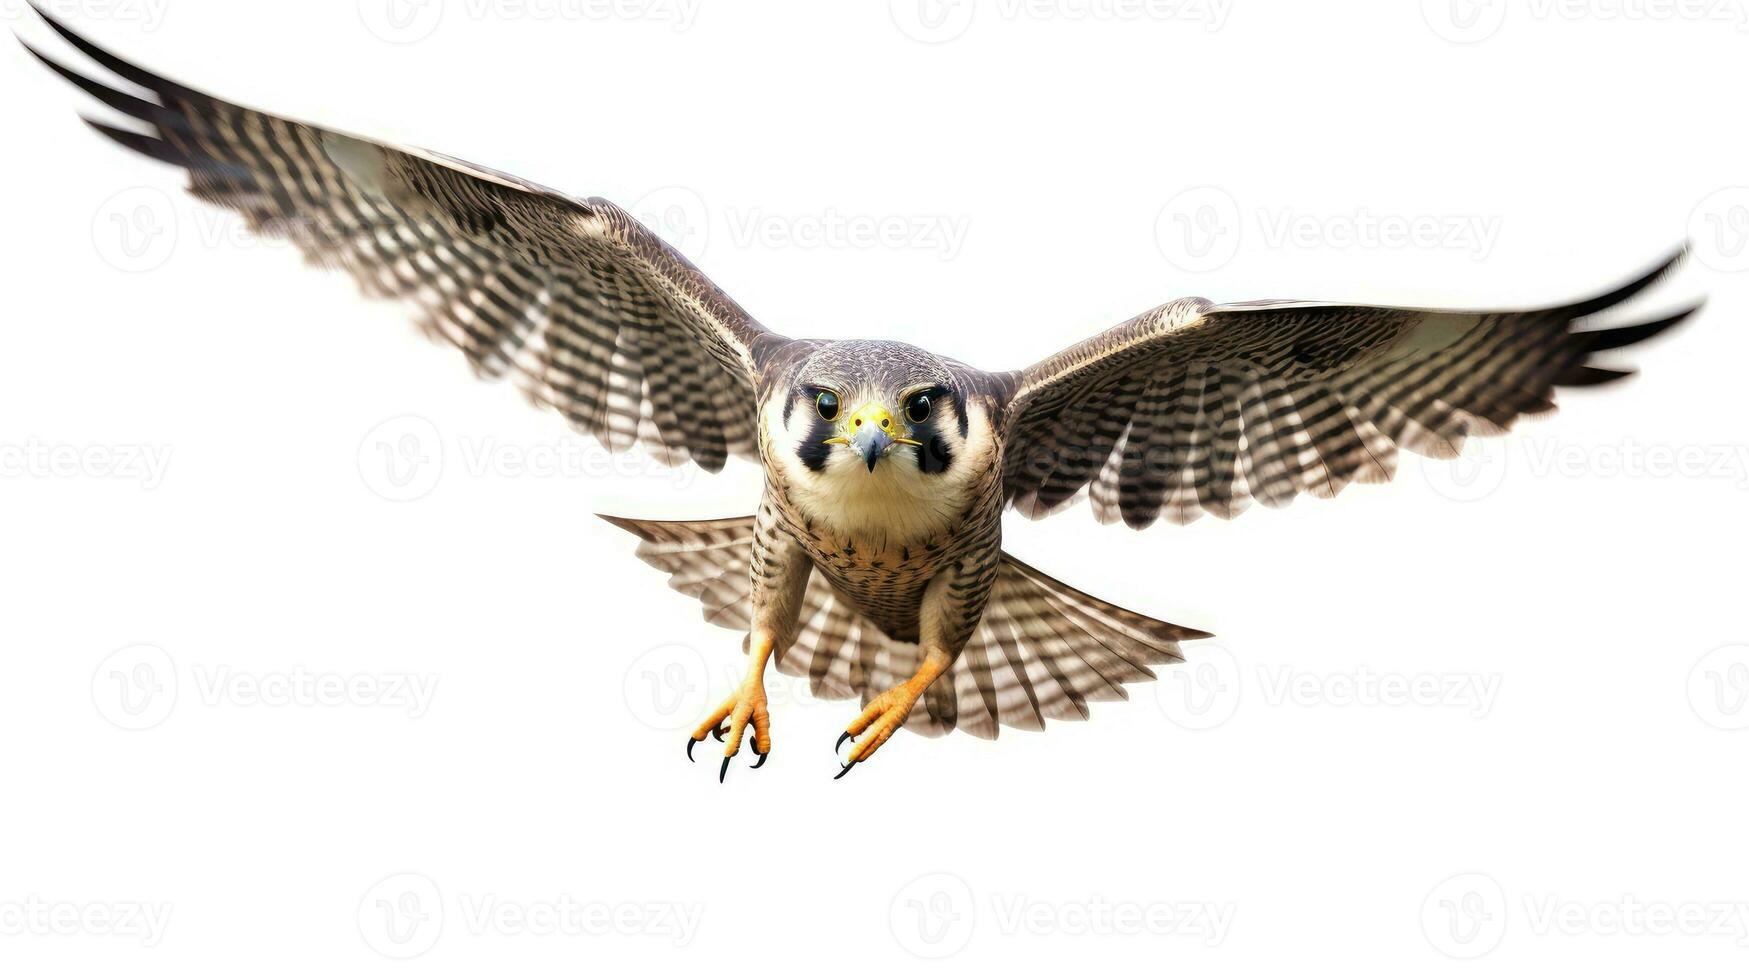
[[1193, 407], [589, 312]]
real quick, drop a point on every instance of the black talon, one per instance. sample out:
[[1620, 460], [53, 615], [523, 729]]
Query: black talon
[[723, 772], [689, 744], [718, 733], [762, 756], [839, 744], [847, 767]]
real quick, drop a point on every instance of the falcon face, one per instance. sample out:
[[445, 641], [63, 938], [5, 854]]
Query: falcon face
[[867, 400], [874, 565], [877, 438]]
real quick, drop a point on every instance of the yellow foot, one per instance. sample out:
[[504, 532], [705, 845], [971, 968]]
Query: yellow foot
[[747, 704], [883, 716]]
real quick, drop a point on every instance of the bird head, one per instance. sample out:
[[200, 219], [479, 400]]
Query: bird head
[[861, 406]]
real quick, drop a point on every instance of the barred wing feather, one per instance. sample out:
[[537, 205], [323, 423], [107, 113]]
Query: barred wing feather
[[1195, 408], [589, 312]]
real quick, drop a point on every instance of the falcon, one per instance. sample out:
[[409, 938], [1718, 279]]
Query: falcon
[[874, 566]]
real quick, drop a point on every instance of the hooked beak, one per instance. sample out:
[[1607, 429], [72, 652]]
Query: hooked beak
[[871, 444], [872, 432]]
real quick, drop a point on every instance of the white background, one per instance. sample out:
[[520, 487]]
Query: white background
[[1564, 607]]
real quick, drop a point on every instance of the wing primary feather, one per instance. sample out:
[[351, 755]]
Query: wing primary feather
[[1626, 291], [131, 105], [1614, 337], [131, 72]]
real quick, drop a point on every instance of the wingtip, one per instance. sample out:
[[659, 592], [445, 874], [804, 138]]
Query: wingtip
[[32, 49], [623, 523], [1664, 268], [120, 66], [48, 18]]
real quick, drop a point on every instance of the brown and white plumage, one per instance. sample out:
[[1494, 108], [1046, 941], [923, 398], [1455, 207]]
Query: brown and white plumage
[[1194, 407], [1041, 651], [590, 314], [865, 580]]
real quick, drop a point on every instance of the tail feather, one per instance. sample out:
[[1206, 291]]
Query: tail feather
[[1041, 652]]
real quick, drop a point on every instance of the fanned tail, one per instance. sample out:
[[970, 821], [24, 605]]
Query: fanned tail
[[1042, 650]]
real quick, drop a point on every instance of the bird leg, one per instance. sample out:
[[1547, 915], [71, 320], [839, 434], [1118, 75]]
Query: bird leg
[[747, 704], [887, 712]]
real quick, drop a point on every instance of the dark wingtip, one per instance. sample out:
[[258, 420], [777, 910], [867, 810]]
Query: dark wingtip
[[1630, 289], [1586, 376], [125, 69], [145, 145], [1634, 333], [120, 101]]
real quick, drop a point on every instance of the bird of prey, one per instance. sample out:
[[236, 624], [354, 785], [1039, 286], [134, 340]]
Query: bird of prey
[[874, 565]]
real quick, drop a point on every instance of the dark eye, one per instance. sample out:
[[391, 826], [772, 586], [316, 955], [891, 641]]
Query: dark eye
[[917, 408], [826, 404]]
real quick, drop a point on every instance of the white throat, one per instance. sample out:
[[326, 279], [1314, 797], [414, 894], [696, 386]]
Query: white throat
[[895, 503]]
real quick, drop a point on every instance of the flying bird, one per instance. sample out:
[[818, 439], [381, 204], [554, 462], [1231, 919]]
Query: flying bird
[[874, 565]]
